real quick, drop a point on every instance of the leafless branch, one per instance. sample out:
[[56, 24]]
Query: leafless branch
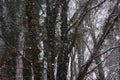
[[97, 65]]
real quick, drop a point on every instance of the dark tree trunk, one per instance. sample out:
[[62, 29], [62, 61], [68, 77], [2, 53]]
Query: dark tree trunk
[[31, 42], [10, 34], [62, 66], [52, 13], [50, 26]]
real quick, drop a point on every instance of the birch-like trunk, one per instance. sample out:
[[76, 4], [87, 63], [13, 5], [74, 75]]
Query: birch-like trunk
[[19, 61]]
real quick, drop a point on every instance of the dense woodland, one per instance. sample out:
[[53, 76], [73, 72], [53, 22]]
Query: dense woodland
[[59, 39]]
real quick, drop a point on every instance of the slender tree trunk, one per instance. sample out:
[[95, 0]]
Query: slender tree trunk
[[10, 35], [63, 60], [51, 17], [31, 42], [19, 60], [100, 69]]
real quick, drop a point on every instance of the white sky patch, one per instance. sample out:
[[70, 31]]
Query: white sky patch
[[72, 8], [117, 37]]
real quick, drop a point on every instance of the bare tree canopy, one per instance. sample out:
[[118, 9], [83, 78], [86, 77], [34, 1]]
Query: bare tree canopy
[[59, 39]]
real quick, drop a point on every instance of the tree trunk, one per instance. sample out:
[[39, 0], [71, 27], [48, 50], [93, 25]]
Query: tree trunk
[[52, 13], [32, 68], [63, 59], [10, 35]]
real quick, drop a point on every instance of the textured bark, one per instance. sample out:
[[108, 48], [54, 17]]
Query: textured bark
[[10, 35], [21, 40], [50, 26], [19, 60], [63, 60], [32, 69], [52, 13]]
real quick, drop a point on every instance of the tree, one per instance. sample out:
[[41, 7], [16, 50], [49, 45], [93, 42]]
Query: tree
[[58, 39], [10, 34], [31, 42]]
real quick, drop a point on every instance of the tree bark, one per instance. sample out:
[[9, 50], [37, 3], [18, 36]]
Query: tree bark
[[51, 17], [32, 69], [10, 34], [63, 59]]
